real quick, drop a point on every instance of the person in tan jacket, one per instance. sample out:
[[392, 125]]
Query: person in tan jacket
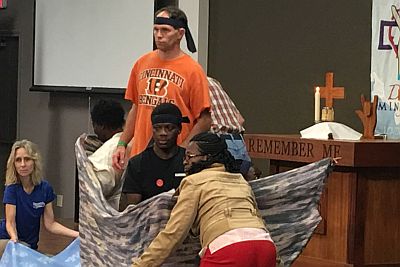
[[219, 206]]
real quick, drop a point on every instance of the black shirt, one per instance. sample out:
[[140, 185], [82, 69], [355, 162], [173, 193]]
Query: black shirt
[[149, 175]]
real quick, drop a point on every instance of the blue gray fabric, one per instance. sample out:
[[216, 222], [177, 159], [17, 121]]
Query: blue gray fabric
[[237, 148], [288, 203], [18, 255]]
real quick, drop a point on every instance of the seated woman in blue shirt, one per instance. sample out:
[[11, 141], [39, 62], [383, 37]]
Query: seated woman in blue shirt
[[27, 197]]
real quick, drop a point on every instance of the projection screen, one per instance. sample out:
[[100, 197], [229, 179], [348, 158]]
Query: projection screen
[[88, 44]]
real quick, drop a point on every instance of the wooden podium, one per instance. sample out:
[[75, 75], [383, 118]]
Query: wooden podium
[[360, 206]]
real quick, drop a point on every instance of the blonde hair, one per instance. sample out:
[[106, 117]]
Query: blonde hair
[[33, 152]]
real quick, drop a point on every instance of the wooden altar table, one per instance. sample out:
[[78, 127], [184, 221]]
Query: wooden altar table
[[361, 202]]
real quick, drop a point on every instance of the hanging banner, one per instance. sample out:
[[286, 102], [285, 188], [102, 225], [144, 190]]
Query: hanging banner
[[3, 3], [385, 66]]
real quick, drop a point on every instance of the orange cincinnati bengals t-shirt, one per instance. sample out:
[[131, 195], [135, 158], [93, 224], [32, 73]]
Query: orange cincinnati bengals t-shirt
[[153, 81]]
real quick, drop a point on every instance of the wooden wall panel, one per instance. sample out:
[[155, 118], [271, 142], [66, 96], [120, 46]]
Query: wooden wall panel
[[333, 245], [382, 227]]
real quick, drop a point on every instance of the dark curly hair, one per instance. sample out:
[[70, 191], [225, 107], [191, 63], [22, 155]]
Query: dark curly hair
[[108, 113], [215, 148]]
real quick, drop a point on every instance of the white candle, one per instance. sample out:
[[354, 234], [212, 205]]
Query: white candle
[[317, 105]]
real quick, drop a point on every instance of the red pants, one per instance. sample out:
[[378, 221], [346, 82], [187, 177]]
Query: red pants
[[254, 253]]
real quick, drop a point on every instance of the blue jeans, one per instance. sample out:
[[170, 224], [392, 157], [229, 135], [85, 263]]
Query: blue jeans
[[237, 148]]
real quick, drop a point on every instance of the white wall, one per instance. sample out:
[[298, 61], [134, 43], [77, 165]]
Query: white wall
[[197, 12]]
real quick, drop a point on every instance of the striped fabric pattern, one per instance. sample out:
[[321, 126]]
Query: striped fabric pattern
[[288, 202]]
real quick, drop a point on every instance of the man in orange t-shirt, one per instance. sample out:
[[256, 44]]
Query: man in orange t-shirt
[[166, 74]]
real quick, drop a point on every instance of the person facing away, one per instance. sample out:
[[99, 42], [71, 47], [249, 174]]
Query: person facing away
[[108, 121], [227, 122], [27, 198], [165, 75], [219, 206], [159, 168]]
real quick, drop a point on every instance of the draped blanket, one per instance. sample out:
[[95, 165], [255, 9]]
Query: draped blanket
[[288, 202], [17, 255]]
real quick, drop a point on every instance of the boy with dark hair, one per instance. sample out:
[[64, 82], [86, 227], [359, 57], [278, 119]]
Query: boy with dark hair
[[108, 121], [159, 168], [107, 118]]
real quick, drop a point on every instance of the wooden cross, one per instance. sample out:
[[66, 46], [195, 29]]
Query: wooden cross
[[329, 92]]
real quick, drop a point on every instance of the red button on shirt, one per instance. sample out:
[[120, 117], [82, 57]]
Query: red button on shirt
[[159, 182]]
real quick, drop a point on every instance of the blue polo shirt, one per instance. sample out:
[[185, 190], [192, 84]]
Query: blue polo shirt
[[29, 209]]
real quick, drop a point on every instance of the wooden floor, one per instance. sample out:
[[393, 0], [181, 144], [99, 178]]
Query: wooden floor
[[51, 244]]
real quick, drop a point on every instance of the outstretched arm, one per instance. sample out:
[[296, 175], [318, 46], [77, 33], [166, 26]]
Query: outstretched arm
[[203, 124], [10, 222], [182, 217], [54, 227], [118, 158], [129, 199]]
